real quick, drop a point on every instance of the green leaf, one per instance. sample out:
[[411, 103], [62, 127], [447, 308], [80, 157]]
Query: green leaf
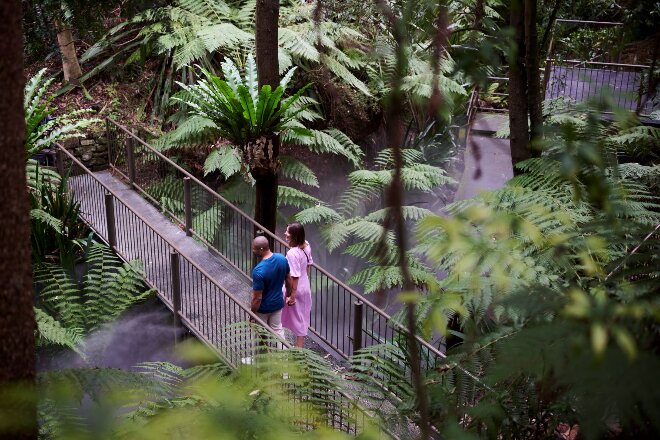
[[625, 341], [599, 338]]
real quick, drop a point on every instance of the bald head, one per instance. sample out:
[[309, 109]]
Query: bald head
[[261, 247], [261, 243]]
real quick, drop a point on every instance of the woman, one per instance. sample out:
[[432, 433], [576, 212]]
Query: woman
[[296, 312]]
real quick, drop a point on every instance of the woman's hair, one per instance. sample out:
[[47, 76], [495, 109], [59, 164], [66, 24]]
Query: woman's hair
[[297, 234]]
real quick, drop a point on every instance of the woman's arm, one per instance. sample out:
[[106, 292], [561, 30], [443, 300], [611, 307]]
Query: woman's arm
[[291, 289]]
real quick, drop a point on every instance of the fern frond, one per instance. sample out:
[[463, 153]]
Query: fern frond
[[225, 36], [413, 213], [224, 159], [59, 295], [51, 331], [319, 214], [42, 216], [294, 169], [291, 196], [193, 131]]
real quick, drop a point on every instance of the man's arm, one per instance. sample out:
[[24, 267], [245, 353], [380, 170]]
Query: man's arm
[[256, 300]]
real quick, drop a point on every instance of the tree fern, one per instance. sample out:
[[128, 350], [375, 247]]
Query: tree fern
[[241, 113], [67, 310], [365, 235]]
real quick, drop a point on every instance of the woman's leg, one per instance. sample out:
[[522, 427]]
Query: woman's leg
[[300, 341]]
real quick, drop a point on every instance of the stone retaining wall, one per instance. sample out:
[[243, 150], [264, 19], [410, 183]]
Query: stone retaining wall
[[91, 150]]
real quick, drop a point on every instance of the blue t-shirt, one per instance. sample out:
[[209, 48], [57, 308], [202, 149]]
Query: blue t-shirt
[[268, 276]]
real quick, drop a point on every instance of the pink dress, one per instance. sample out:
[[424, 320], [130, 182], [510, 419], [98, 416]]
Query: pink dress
[[296, 317]]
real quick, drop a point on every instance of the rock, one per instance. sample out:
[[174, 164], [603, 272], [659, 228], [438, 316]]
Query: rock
[[86, 142], [86, 157]]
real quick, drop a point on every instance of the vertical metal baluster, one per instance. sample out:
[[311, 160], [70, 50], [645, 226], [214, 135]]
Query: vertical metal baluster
[[59, 161], [108, 140], [328, 318], [640, 90], [176, 294], [357, 325], [347, 311], [187, 205], [336, 317], [130, 159], [110, 218]]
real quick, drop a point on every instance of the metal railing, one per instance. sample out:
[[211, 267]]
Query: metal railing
[[569, 75], [494, 97], [580, 81], [206, 308], [341, 318], [604, 40]]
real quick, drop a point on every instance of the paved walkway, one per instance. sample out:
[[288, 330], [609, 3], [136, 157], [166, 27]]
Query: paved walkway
[[487, 158]]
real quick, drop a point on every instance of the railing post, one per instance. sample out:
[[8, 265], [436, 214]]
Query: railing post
[[187, 205], [640, 92], [546, 76], [176, 294], [130, 160], [108, 141], [110, 217], [59, 161], [358, 312]]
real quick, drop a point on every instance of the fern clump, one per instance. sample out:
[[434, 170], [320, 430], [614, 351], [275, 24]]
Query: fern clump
[[368, 234], [56, 231], [68, 310], [160, 398], [549, 270]]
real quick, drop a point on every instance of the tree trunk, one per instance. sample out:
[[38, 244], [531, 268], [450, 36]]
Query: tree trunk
[[534, 98], [70, 64], [479, 14], [265, 205], [267, 16], [519, 135], [17, 322], [394, 196], [548, 29]]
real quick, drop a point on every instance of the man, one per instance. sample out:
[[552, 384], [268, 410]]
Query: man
[[268, 277]]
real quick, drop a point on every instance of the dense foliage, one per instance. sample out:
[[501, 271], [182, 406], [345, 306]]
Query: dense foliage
[[543, 294]]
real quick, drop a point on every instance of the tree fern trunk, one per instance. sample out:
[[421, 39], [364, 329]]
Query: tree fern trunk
[[519, 134], [70, 64], [267, 16], [534, 98], [265, 174], [265, 205], [261, 156], [479, 14], [17, 322]]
